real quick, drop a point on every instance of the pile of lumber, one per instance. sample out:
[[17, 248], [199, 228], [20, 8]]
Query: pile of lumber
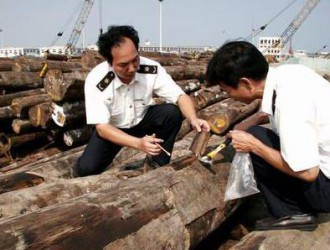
[[42, 99], [43, 204]]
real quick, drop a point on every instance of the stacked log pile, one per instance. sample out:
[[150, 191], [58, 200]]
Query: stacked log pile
[[42, 100], [44, 205]]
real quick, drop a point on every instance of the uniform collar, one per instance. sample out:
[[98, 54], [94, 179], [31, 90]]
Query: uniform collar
[[118, 83]]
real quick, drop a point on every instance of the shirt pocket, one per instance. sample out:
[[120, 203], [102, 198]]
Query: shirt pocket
[[117, 112], [141, 107]]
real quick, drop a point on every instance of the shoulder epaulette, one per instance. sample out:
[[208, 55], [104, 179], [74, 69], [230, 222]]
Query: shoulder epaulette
[[148, 69], [104, 83]]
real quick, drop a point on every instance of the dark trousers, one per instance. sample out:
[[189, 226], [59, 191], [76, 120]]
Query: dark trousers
[[286, 195], [163, 120]]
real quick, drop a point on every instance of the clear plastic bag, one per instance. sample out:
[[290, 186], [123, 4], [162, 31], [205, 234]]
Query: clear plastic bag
[[241, 180]]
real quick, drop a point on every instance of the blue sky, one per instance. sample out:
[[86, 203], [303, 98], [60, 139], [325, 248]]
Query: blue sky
[[35, 23]]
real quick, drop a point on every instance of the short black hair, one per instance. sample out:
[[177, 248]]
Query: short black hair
[[235, 60], [113, 37]]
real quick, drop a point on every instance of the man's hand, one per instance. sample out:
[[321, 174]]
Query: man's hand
[[149, 145], [242, 141], [187, 109], [199, 125]]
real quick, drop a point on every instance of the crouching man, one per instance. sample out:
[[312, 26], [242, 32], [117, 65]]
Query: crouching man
[[119, 102]]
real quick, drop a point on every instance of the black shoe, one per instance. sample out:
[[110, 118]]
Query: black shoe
[[306, 222]]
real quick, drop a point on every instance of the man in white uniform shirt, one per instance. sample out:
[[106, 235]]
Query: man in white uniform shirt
[[292, 161], [119, 102]]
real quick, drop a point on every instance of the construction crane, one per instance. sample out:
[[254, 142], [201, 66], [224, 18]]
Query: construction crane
[[79, 25], [75, 34], [295, 24], [297, 21]]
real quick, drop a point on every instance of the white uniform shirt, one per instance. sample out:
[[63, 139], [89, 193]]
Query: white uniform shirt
[[109, 101], [302, 115]]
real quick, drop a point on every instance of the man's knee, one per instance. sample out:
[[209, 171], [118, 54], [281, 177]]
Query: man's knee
[[173, 113], [88, 165], [83, 168]]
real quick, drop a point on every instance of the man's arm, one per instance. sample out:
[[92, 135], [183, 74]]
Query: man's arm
[[245, 142], [187, 108], [148, 144]]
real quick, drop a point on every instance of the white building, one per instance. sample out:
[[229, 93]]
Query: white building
[[271, 46], [11, 52]]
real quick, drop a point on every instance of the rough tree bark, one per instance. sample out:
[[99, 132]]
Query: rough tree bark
[[190, 196], [20, 80], [65, 86]]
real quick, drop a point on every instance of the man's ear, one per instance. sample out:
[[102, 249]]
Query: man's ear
[[245, 83]]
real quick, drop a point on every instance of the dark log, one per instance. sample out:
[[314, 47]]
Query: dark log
[[164, 198], [6, 112], [22, 126], [37, 64], [62, 165], [166, 59], [6, 64], [69, 114], [56, 166], [33, 199], [18, 140], [20, 181], [207, 96], [6, 100], [20, 80], [187, 72], [20, 106], [78, 136], [56, 57], [91, 58], [40, 115], [41, 196], [5, 146], [36, 159], [65, 86]]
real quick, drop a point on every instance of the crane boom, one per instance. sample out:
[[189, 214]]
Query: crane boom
[[79, 25], [297, 21]]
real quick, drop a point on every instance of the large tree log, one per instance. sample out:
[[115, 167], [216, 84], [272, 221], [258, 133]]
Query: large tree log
[[69, 113], [37, 64], [91, 58], [207, 96], [6, 64], [187, 72], [22, 126], [191, 197], [6, 100], [6, 112], [41, 156], [235, 111], [20, 106], [30, 198], [40, 115], [20, 80], [65, 86]]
